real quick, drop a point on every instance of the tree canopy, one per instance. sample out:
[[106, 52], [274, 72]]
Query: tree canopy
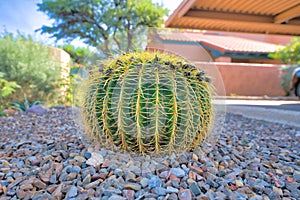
[[105, 24], [290, 54]]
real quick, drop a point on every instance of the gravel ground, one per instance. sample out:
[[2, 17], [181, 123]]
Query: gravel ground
[[42, 157]]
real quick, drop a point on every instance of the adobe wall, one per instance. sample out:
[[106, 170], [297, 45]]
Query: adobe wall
[[245, 79], [64, 59]]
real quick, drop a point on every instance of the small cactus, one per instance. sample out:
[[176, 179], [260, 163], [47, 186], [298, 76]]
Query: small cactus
[[148, 103]]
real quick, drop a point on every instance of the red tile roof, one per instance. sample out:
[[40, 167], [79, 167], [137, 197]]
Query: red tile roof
[[220, 42]]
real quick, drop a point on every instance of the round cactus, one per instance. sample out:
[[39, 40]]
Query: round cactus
[[148, 102]]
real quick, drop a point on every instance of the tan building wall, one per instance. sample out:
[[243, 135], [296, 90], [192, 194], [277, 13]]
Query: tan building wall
[[64, 59], [246, 79]]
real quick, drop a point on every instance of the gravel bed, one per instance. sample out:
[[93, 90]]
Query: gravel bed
[[43, 157]]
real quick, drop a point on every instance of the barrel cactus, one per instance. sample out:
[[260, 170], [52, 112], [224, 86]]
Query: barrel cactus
[[148, 102]]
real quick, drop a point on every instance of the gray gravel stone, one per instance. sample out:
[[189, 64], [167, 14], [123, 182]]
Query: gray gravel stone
[[92, 184], [159, 191], [116, 197], [195, 189], [72, 192], [177, 172], [155, 181], [171, 190], [212, 183], [132, 186], [256, 197], [87, 179], [144, 182]]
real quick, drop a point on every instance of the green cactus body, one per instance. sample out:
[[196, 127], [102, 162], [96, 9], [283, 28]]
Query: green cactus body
[[148, 102]]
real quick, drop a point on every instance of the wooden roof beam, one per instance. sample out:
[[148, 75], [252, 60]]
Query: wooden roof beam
[[186, 8], [229, 16], [180, 11], [239, 26], [287, 15]]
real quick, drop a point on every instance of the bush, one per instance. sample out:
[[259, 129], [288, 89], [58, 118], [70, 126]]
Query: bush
[[31, 65], [286, 75], [290, 54], [6, 89]]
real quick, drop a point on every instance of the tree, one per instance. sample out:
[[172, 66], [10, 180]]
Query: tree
[[290, 55], [105, 24], [78, 54], [82, 55]]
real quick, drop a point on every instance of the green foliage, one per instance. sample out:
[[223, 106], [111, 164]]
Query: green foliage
[[148, 103], [80, 55], [6, 89], [30, 65], [23, 106], [105, 24], [290, 54], [77, 74]]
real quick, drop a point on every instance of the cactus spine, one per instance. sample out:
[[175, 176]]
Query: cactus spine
[[148, 102]]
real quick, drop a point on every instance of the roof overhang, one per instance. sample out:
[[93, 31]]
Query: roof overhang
[[218, 52], [218, 45], [252, 16]]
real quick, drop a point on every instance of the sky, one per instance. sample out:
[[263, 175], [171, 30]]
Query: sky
[[22, 15]]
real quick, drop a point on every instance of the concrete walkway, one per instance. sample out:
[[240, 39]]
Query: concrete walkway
[[283, 112], [267, 114]]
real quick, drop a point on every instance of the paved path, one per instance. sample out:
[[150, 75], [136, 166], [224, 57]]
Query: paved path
[[273, 104], [284, 112]]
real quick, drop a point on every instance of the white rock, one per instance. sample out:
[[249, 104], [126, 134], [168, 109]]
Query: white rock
[[95, 160]]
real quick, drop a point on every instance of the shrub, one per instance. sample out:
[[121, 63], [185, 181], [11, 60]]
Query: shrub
[[290, 54], [6, 89], [23, 106], [31, 65], [148, 103], [77, 75], [286, 76]]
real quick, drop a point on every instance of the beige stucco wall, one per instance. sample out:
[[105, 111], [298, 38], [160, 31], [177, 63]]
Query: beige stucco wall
[[64, 59], [247, 79]]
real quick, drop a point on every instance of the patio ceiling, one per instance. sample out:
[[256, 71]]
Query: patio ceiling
[[252, 16]]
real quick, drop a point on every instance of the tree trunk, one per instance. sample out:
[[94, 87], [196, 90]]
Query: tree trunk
[[117, 42], [129, 40], [106, 48]]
